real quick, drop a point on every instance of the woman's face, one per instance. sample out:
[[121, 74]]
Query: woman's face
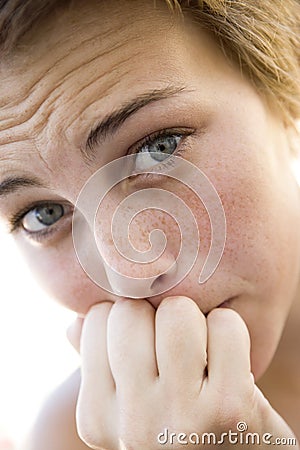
[[89, 63]]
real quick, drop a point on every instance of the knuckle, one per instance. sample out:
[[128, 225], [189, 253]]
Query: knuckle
[[177, 309], [229, 409], [91, 428], [178, 301], [133, 430], [97, 311], [229, 323], [91, 434], [129, 308], [104, 305]]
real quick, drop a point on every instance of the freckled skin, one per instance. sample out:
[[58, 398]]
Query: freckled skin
[[239, 143]]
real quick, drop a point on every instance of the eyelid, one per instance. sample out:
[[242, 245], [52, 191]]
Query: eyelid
[[185, 131], [15, 221]]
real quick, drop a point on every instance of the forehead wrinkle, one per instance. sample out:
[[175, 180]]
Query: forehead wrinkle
[[68, 24], [55, 135], [58, 129], [72, 28], [52, 70], [10, 155], [47, 107], [89, 95], [12, 158], [57, 54]]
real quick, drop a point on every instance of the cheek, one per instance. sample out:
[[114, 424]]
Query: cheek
[[61, 276], [245, 157], [262, 231], [263, 247]]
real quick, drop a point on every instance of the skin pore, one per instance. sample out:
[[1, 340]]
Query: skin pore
[[84, 64]]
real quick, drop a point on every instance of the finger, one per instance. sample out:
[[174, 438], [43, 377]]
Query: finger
[[95, 413], [131, 347], [228, 348], [95, 371], [181, 338], [74, 333]]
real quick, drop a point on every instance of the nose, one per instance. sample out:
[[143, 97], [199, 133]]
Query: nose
[[138, 256], [141, 267], [135, 246], [143, 282]]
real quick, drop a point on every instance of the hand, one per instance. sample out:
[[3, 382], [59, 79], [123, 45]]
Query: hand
[[146, 371]]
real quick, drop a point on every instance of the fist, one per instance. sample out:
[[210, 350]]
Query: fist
[[145, 371]]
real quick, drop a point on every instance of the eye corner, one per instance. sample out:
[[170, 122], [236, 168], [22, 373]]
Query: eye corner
[[34, 232]]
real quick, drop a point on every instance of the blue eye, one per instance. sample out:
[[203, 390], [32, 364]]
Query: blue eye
[[42, 217], [156, 150]]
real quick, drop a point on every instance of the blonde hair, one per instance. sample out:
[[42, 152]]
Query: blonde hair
[[262, 36]]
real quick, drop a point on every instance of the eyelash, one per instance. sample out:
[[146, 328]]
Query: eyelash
[[15, 221], [168, 163]]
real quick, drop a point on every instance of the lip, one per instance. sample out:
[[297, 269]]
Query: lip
[[226, 304]]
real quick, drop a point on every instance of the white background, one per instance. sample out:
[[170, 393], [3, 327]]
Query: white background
[[35, 355]]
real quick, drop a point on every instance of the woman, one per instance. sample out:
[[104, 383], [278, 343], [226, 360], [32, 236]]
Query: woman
[[214, 84]]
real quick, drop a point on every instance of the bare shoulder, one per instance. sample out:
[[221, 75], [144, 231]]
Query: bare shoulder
[[55, 427]]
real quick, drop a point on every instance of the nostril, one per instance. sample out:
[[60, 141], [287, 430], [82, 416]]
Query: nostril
[[157, 283], [165, 281], [147, 284]]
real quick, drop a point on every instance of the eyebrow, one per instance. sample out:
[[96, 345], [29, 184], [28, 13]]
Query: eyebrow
[[12, 185], [111, 123]]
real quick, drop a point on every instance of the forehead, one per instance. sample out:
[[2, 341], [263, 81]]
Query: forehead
[[83, 62], [64, 68], [89, 43]]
